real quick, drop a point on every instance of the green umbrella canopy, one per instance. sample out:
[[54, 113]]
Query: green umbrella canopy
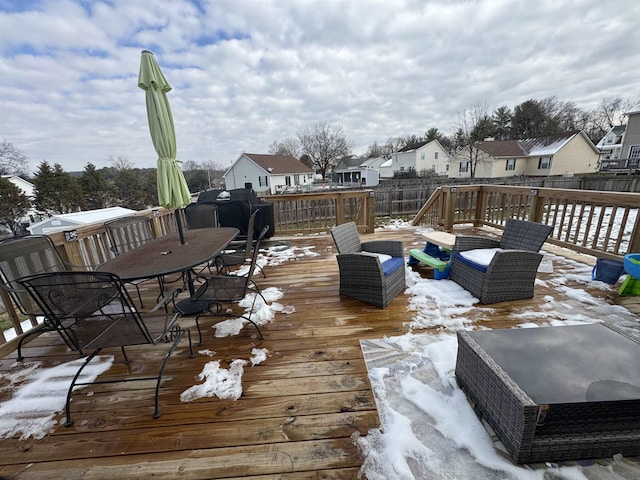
[[173, 191]]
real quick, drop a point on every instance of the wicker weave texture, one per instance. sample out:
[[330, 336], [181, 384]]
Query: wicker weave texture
[[570, 431], [511, 274], [361, 276]]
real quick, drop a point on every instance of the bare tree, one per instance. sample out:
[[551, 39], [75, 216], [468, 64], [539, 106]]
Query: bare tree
[[121, 163], [12, 160], [324, 143], [473, 126], [289, 146], [611, 110]]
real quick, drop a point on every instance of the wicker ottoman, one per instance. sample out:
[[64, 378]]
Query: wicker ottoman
[[555, 393]]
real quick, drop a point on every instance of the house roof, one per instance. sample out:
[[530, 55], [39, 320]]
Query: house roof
[[348, 162], [88, 216], [635, 109], [531, 147], [278, 164], [548, 145], [502, 148], [413, 146]]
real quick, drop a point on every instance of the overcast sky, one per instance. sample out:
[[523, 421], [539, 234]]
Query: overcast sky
[[248, 72]]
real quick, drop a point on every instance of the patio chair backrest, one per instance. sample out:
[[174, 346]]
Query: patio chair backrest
[[93, 308], [524, 235], [128, 233], [24, 256], [346, 238], [235, 286], [250, 232], [201, 215]]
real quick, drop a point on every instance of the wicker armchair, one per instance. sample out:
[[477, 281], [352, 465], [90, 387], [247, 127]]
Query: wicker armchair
[[511, 273], [362, 274]]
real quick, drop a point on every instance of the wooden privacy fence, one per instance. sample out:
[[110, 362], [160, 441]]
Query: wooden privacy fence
[[603, 224], [318, 212]]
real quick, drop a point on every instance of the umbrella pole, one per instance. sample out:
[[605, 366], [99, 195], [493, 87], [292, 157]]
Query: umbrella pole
[[179, 223]]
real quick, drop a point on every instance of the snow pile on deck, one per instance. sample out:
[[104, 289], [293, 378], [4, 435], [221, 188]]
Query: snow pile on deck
[[429, 429]]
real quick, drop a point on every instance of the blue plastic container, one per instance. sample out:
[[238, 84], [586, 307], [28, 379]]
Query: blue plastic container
[[441, 275], [607, 270]]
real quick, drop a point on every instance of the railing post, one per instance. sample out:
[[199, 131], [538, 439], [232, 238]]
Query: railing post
[[450, 208], [371, 211], [480, 215], [340, 213], [536, 207]]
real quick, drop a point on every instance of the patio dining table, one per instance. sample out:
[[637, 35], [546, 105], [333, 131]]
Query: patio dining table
[[166, 255]]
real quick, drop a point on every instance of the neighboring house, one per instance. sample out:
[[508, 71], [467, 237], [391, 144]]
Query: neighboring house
[[70, 221], [611, 144], [422, 158], [350, 161], [28, 189], [356, 176], [621, 144], [386, 169], [559, 154], [268, 174]]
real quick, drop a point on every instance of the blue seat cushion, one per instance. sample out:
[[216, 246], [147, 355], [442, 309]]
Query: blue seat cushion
[[392, 265], [466, 261]]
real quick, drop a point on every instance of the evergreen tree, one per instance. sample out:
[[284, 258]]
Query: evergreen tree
[[56, 190], [13, 205], [97, 191], [128, 190]]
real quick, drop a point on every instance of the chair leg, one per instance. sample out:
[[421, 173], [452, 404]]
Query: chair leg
[[139, 295], [178, 336], [35, 330], [67, 408]]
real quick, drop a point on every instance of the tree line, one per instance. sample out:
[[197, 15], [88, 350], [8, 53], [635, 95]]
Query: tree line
[[319, 146], [58, 191], [323, 144]]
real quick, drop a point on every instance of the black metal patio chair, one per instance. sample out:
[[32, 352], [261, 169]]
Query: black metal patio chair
[[242, 254], [96, 312], [201, 215], [128, 233], [24, 256], [216, 291]]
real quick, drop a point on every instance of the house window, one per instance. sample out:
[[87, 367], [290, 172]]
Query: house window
[[447, 167], [464, 167], [544, 163], [263, 181], [422, 156], [296, 179], [511, 164], [287, 181], [634, 151], [435, 155]]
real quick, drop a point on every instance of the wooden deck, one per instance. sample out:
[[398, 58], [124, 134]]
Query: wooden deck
[[298, 410]]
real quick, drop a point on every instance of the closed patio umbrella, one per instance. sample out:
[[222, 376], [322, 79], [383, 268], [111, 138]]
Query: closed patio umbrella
[[173, 192]]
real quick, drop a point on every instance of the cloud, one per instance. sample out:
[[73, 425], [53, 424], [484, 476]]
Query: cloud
[[248, 73]]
